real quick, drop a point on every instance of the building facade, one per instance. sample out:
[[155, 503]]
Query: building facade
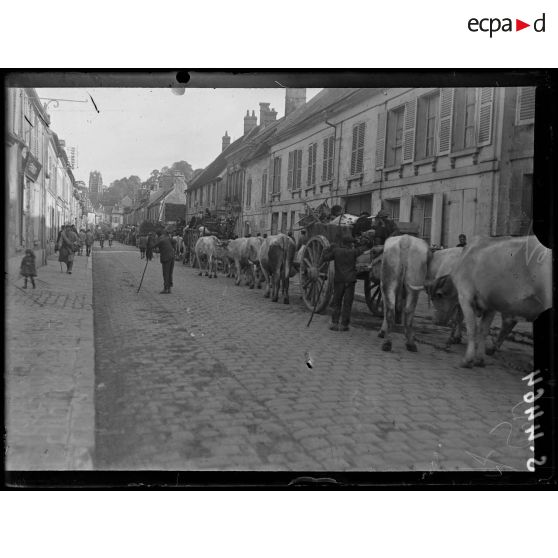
[[40, 184], [450, 160]]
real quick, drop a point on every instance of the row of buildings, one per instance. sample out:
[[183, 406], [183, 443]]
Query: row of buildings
[[452, 160], [42, 193], [166, 202]]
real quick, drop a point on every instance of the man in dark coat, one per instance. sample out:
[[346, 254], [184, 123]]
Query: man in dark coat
[[362, 224], [166, 257], [462, 241], [383, 227], [345, 257]]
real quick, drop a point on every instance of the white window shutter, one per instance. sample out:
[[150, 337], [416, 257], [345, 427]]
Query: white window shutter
[[354, 150], [446, 118], [290, 171], [485, 116], [409, 123], [360, 154], [526, 105], [309, 179], [381, 140]]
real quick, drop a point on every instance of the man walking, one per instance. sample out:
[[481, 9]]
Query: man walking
[[166, 257], [88, 242], [81, 241]]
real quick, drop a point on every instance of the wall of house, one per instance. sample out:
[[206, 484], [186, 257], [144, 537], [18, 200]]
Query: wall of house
[[254, 212], [460, 186], [514, 214]]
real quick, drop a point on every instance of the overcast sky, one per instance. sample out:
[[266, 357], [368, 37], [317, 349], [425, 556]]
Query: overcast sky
[[138, 130]]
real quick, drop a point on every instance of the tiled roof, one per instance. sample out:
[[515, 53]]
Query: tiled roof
[[257, 140], [319, 103], [158, 196], [215, 168]]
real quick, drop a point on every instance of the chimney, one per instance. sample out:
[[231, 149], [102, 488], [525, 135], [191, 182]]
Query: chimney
[[266, 116], [294, 97], [226, 141], [250, 122]]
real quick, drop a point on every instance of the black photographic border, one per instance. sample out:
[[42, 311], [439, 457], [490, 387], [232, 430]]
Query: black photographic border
[[545, 338]]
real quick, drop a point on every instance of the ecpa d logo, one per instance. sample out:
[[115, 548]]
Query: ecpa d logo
[[494, 24]]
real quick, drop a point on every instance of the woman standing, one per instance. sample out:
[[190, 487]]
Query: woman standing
[[68, 242]]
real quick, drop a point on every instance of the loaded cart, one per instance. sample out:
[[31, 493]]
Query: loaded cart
[[316, 276]]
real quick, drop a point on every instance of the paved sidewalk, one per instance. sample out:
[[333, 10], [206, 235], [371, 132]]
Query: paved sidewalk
[[49, 380]]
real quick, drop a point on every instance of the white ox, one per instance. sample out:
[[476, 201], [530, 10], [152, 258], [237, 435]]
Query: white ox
[[510, 275], [402, 275], [179, 252], [276, 262], [245, 254], [207, 246], [442, 292]]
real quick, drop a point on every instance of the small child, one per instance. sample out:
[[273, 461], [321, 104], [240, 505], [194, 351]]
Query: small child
[[28, 267]]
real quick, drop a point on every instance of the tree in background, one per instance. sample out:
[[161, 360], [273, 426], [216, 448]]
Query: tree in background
[[185, 168]]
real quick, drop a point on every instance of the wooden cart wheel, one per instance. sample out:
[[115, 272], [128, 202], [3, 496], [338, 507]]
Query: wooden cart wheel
[[316, 276], [373, 297]]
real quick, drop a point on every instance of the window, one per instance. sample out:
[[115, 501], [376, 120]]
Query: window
[[274, 222], [394, 144], [525, 105], [464, 115], [293, 218], [421, 214], [357, 154], [392, 207], [312, 155], [427, 126], [213, 188], [284, 222], [276, 180], [264, 187], [327, 167], [248, 192], [294, 175]]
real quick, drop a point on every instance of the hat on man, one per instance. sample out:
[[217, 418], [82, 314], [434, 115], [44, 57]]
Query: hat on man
[[382, 214]]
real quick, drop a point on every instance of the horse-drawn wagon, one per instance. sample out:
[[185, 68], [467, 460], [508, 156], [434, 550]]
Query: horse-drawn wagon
[[317, 276]]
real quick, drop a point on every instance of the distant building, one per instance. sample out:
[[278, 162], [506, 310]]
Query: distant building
[[95, 186], [72, 155]]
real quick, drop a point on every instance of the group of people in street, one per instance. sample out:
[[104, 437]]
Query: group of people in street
[[71, 242]]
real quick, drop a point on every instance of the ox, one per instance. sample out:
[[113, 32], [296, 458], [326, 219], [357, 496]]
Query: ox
[[402, 275], [207, 246], [442, 292], [510, 275], [276, 262], [179, 252], [245, 254], [439, 268]]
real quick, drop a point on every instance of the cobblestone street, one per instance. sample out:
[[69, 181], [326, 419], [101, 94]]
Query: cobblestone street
[[214, 376]]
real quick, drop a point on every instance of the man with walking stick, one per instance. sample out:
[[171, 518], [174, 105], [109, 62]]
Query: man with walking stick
[[166, 257]]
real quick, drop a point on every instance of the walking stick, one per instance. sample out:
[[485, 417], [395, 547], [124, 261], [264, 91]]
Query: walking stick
[[147, 261], [317, 300]]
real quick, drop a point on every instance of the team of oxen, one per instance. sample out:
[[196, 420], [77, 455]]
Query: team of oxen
[[507, 275], [269, 259]]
